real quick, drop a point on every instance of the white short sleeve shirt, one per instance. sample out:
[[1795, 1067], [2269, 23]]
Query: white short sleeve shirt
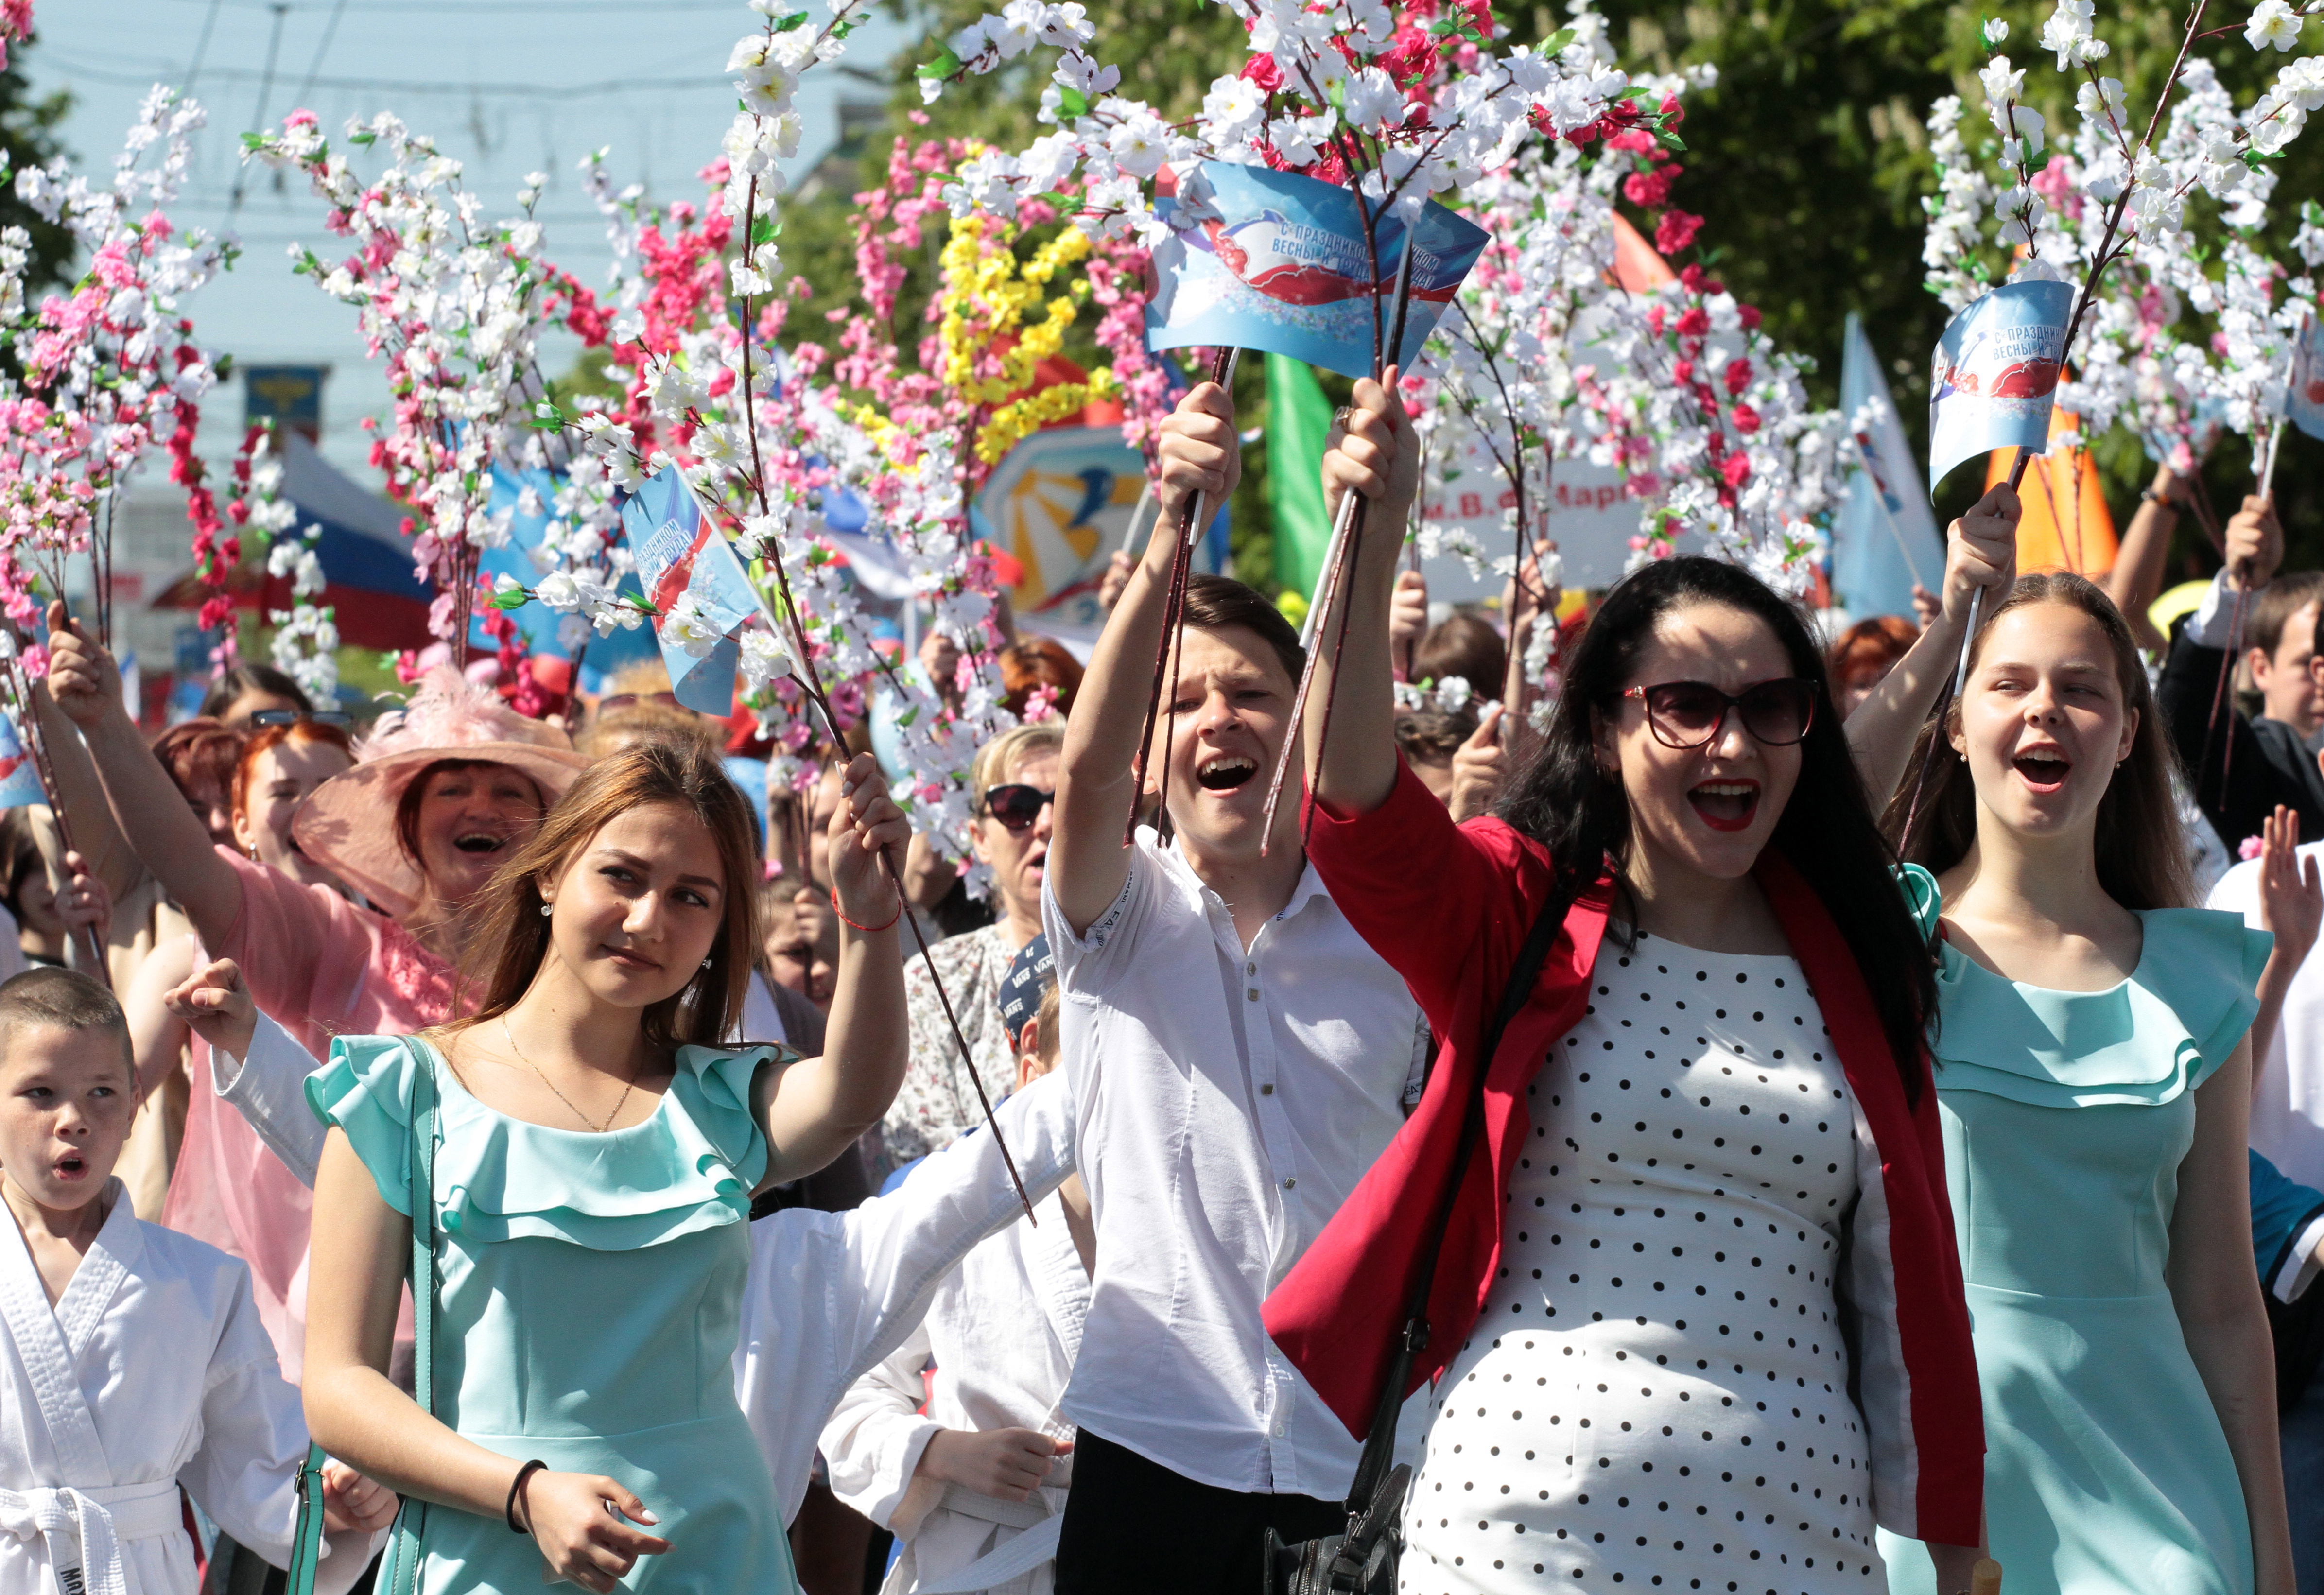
[[1228, 1099], [2287, 1111]]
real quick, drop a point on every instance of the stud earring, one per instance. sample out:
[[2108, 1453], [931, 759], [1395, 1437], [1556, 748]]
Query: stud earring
[[705, 964]]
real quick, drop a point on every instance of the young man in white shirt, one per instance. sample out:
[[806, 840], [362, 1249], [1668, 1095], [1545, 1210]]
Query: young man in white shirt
[[1237, 1057]]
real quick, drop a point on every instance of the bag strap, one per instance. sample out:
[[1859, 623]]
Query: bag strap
[[1379, 1446], [400, 1573], [307, 1535]]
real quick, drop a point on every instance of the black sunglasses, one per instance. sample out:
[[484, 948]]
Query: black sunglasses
[[293, 716], [1016, 806], [1688, 714]]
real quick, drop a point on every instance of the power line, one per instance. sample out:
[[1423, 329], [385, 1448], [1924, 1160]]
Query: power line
[[201, 47], [330, 30], [406, 86], [265, 86]]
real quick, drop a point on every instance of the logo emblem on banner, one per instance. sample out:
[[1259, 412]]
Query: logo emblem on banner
[[1994, 373], [1273, 260], [700, 592]]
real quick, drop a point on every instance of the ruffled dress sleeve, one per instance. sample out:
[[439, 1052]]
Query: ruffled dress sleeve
[[690, 1165], [2145, 1042], [364, 1088]]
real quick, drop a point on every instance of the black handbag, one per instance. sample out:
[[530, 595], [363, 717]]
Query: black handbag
[[1363, 1561]]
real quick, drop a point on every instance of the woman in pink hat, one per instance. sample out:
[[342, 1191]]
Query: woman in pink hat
[[440, 794]]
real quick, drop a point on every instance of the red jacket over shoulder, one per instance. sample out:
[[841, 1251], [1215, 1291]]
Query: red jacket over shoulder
[[1450, 908]]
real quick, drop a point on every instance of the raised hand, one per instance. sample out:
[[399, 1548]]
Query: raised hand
[[2254, 541], [84, 903], [865, 821], [1378, 457], [1407, 613], [1199, 452], [1479, 768], [82, 676], [216, 1004], [1982, 551], [2290, 894]]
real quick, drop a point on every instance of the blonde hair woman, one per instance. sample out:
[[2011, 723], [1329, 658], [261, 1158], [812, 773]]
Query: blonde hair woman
[[1011, 790]]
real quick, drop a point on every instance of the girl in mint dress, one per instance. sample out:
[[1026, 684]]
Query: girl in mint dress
[[2094, 1077], [593, 1162]]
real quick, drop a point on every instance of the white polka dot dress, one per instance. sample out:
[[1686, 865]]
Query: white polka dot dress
[[1656, 1397]]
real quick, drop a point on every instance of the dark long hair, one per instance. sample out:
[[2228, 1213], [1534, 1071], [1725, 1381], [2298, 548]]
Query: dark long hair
[[508, 935], [2141, 848], [1563, 800]]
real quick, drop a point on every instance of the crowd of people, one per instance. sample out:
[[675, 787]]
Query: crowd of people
[[1745, 1117]]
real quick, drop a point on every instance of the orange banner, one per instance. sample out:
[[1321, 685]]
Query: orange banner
[[2066, 525]]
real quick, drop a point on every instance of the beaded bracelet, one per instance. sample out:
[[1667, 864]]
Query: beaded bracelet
[[867, 929], [516, 1490]]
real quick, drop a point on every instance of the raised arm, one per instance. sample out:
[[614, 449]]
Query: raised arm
[[95, 837], [1087, 867], [2136, 579], [1355, 770], [146, 803], [815, 1109], [1981, 553]]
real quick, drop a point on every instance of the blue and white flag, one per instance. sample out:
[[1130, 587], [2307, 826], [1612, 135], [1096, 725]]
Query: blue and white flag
[[1883, 542], [2303, 403], [700, 592], [1994, 377], [20, 778], [1270, 260]]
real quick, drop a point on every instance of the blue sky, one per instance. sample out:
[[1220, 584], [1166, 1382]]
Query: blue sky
[[507, 86]]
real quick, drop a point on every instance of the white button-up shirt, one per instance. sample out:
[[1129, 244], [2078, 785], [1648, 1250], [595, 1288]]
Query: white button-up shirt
[[1228, 1099]]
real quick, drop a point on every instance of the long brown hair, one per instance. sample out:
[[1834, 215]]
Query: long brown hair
[[507, 935], [2141, 846]]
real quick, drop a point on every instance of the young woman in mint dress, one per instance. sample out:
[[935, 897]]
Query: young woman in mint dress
[[2094, 1078], [593, 1175]]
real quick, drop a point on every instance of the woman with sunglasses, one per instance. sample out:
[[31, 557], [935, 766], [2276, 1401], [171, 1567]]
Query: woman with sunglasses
[[1696, 1312], [2096, 1079], [1011, 786]]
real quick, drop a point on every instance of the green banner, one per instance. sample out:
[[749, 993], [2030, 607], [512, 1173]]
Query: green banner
[[1298, 422]]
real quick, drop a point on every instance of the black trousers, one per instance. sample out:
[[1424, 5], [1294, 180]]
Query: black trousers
[[1132, 1526]]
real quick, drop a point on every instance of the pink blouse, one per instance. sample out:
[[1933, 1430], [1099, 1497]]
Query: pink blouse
[[321, 967]]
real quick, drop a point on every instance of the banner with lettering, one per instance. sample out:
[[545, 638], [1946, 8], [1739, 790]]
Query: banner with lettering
[[1269, 259], [700, 592], [1995, 373]]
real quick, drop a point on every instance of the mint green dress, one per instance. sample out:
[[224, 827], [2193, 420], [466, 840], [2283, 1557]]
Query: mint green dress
[[2066, 1117], [588, 1288]]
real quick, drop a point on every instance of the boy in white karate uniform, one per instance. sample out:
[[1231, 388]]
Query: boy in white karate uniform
[[132, 1359], [975, 1487]]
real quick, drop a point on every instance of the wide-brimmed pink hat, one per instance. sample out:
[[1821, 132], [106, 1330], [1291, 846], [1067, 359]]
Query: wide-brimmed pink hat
[[347, 824]]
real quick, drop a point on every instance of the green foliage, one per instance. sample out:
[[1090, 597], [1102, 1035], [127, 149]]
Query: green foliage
[[28, 133]]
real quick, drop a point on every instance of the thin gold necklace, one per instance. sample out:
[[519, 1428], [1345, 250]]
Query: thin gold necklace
[[598, 1128]]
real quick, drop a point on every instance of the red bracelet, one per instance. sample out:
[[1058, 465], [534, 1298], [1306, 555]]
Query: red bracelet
[[867, 929]]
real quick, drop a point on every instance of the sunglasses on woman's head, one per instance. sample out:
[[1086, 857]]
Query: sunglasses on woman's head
[[1016, 806], [293, 716], [1686, 715]]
